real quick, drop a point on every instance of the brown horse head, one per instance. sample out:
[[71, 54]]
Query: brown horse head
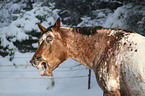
[[51, 51]]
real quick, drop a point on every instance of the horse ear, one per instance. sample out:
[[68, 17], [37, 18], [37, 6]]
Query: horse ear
[[42, 29], [57, 24]]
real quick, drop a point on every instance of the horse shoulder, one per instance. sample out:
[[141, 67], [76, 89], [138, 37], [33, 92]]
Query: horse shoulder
[[123, 67]]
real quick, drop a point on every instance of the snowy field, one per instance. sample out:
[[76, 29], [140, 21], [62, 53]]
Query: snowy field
[[70, 79], [18, 42]]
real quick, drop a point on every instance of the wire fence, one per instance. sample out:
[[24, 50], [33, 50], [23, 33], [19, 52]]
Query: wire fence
[[61, 69], [49, 78], [26, 68], [12, 65]]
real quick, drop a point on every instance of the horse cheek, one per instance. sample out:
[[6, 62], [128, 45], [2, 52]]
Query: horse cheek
[[60, 52]]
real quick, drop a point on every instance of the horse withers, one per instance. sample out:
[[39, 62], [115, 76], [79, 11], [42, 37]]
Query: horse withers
[[116, 56]]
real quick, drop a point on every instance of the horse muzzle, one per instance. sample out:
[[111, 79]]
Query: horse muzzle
[[38, 64], [35, 61]]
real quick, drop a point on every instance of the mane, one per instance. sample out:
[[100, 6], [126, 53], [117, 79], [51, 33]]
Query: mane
[[93, 30], [87, 30]]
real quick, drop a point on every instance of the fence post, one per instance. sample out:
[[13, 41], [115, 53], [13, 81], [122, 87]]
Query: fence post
[[89, 79]]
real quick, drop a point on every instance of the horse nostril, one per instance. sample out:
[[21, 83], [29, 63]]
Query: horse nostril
[[33, 63], [38, 58], [33, 60], [30, 61]]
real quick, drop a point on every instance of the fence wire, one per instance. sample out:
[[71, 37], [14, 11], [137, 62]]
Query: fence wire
[[63, 69], [49, 78]]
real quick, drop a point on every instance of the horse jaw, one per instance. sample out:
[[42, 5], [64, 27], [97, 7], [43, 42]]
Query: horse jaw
[[45, 71]]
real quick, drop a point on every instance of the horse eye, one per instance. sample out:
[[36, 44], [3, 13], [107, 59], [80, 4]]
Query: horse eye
[[49, 39]]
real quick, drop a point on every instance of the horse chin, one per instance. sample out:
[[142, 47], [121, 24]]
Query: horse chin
[[45, 71]]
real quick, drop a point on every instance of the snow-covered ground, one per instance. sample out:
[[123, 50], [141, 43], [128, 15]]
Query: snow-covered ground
[[70, 79], [19, 78]]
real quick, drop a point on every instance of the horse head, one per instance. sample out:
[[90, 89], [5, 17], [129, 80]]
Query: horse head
[[51, 51]]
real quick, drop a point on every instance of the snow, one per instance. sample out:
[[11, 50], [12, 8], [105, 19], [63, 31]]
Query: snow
[[19, 78], [22, 79], [27, 22], [100, 17], [9, 10], [129, 17]]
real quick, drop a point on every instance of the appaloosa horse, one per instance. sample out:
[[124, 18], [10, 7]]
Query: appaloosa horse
[[117, 57]]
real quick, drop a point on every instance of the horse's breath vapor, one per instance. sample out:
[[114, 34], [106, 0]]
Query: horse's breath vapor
[[117, 57]]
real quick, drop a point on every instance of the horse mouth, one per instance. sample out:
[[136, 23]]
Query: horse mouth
[[44, 71]]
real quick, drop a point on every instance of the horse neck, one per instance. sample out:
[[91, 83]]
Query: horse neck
[[85, 48]]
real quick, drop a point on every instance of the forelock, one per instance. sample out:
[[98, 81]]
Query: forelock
[[48, 29], [42, 38]]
